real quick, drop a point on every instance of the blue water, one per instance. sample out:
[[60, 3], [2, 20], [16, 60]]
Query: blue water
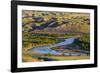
[[65, 42], [48, 50]]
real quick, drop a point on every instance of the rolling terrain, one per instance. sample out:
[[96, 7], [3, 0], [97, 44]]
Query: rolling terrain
[[55, 29]]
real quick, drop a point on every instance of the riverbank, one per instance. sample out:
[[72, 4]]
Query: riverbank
[[59, 58], [53, 58], [66, 49]]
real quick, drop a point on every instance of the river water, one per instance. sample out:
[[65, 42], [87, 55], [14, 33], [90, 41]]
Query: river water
[[48, 50]]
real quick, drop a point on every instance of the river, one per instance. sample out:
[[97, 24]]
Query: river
[[48, 50]]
